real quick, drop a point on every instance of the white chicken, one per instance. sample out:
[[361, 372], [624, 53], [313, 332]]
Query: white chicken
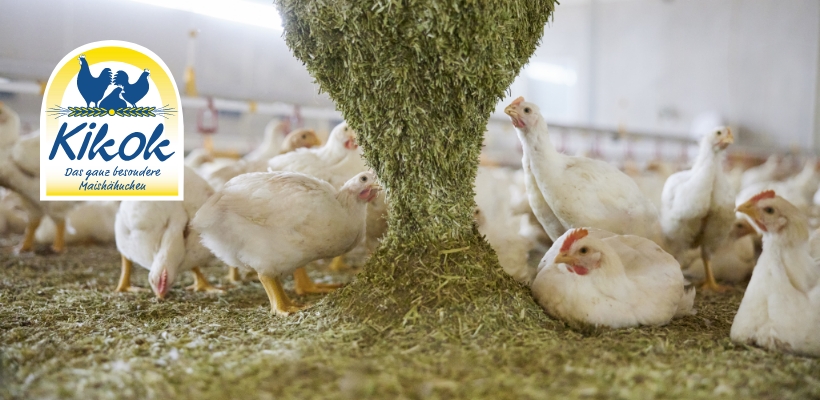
[[568, 192], [158, 236], [276, 222], [20, 172], [698, 204], [335, 162], [781, 307], [598, 278]]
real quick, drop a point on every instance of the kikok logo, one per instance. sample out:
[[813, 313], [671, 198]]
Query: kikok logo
[[111, 127]]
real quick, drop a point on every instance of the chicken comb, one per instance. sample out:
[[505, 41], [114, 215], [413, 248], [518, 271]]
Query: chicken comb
[[766, 194], [573, 237], [517, 101]]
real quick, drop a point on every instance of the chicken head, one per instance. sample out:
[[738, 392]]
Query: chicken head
[[300, 138], [579, 252], [772, 214], [719, 139], [364, 186], [524, 115], [344, 135]]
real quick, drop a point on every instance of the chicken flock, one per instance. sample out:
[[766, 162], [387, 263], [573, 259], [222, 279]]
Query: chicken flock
[[616, 249]]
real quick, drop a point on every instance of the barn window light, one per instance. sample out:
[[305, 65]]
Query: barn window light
[[552, 73], [259, 13]]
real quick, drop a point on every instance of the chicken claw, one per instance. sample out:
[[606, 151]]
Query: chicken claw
[[304, 285], [201, 283], [280, 304]]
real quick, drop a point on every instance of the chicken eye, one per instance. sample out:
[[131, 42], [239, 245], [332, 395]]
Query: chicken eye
[[769, 210], [584, 250], [364, 179], [304, 136], [719, 133], [527, 110]]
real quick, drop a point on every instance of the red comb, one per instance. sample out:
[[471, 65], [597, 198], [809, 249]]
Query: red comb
[[574, 236], [518, 101], [766, 194]]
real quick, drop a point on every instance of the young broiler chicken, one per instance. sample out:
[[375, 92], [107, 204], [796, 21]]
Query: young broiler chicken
[[698, 204], [88, 222], [276, 222], [20, 172], [781, 307], [798, 189], [335, 162], [158, 236], [598, 278], [568, 192]]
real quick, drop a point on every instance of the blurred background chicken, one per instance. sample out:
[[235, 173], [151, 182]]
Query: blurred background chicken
[[780, 308], [698, 204], [275, 223]]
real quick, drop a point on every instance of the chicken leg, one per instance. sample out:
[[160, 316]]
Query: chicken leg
[[234, 276], [201, 283], [709, 284], [304, 285], [28, 240], [339, 264], [125, 278], [280, 304], [59, 237]]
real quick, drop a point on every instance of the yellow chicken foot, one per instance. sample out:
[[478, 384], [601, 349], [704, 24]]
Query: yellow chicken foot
[[201, 283], [338, 264], [304, 285], [59, 237], [28, 240], [709, 284], [125, 278], [280, 304]]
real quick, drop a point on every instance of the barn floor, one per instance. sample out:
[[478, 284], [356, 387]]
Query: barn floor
[[64, 333]]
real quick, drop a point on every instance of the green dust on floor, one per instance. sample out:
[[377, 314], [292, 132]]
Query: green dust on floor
[[64, 333]]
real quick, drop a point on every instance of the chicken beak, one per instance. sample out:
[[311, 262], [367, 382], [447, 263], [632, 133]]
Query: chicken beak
[[514, 116], [728, 139], [565, 258], [750, 210]]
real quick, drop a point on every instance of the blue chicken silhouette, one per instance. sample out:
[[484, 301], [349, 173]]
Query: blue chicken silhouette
[[132, 92], [114, 100], [92, 88]]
